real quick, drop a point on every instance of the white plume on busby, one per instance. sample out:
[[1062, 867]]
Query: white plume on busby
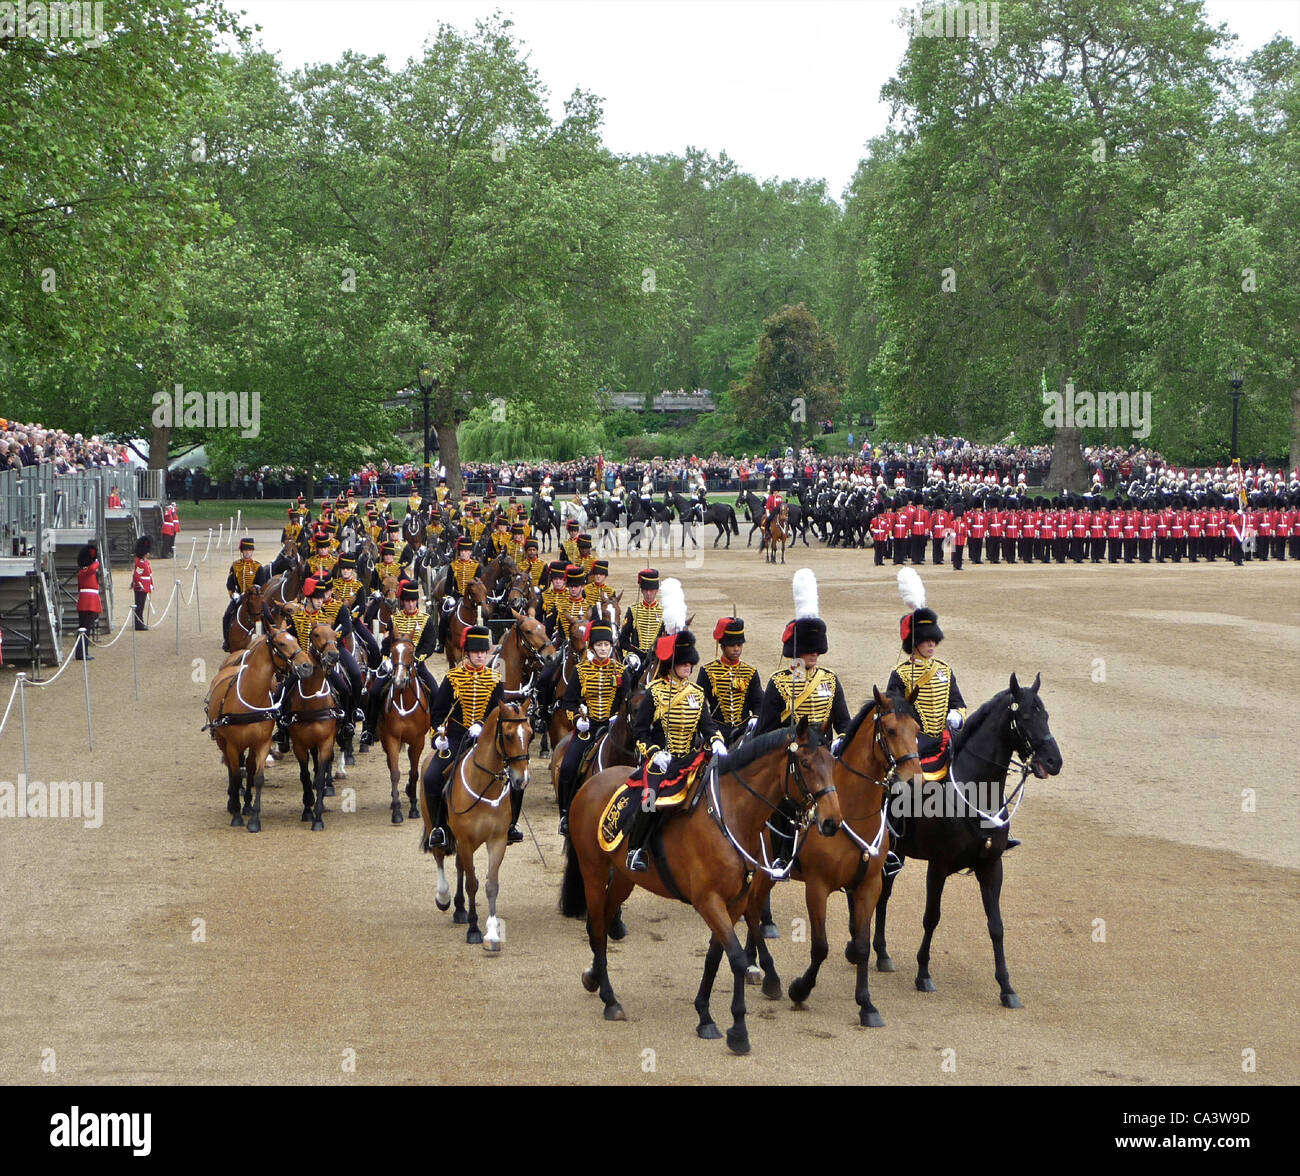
[[805, 595], [910, 588], [673, 599]]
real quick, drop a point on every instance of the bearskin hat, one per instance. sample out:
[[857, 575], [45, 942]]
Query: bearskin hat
[[729, 630]]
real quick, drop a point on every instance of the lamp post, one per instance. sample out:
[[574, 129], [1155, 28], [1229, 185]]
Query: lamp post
[[1235, 380], [427, 382]]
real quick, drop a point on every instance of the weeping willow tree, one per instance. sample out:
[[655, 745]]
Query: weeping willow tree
[[523, 435]]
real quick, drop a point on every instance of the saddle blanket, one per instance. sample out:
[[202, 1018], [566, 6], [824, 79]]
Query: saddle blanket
[[934, 755], [623, 806]]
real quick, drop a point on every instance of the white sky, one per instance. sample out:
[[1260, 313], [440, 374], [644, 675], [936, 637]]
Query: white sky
[[788, 88]]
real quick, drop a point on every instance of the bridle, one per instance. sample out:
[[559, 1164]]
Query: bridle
[[498, 777], [1021, 746], [892, 761]]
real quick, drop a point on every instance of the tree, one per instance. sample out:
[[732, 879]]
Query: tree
[[797, 375]]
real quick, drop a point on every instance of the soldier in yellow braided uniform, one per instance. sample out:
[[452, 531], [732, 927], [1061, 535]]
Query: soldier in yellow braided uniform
[[348, 591], [245, 572], [531, 564], [552, 585], [570, 545], [469, 693], [321, 564], [416, 626], [598, 589], [475, 525], [500, 537], [595, 692], [460, 572], [414, 501], [585, 559], [671, 721], [732, 688], [515, 545], [644, 620], [319, 606], [565, 604], [292, 528]]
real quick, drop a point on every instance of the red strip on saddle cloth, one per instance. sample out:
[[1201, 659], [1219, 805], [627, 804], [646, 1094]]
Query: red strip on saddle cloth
[[935, 759], [672, 785]]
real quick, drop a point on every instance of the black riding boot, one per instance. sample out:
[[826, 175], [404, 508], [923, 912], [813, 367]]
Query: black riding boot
[[514, 837], [636, 838], [440, 835]]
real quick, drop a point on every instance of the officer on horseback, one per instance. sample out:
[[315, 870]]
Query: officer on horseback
[[669, 724], [318, 606], [460, 572], [245, 573], [644, 620], [732, 689], [469, 693], [772, 506], [414, 624], [595, 691]]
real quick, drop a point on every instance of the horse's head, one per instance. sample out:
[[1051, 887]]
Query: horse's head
[[578, 629], [253, 598], [808, 777], [286, 654], [477, 592], [533, 641], [391, 586], [888, 745], [325, 646], [514, 734], [1030, 734], [403, 658]]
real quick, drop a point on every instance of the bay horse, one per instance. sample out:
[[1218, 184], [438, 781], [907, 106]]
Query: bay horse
[[879, 746], [243, 625], [1012, 722], [463, 618], [404, 722], [573, 650], [525, 650], [313, 722], [241, 715], [479, 784], [776, 531], [705, 854], [284, 588]]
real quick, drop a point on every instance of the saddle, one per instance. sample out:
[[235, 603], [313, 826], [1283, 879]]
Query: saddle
[[935, 755], [622, 808]]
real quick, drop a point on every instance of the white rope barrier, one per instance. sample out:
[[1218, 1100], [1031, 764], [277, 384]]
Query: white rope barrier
[[158, 618], [207, 548], [130, 616], [12, 694], [67, 661], [192, 551]]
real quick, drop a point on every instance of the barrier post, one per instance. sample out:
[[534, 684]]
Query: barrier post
[[22, 718], [176, 593], [198, 612], [220, 532], [85, 673]]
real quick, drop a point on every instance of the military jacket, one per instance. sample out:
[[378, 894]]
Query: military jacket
[[671, 717], [466, 696], [938, 694], [818, 697], [642, 626], [599, 685], [244, 573], [732, 692]]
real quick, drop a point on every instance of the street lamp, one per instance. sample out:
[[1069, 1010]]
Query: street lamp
[[428, 382], [1235, 380]]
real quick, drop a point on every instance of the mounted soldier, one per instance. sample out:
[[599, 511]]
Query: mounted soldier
[[319, 606], [732, 689], [414, 624], [347, 590], [643, 622], [321, 564], [460, 572], [772, 506], [245, 573], [599, 591]]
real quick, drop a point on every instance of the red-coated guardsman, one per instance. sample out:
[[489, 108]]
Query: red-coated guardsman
[[141, 579]]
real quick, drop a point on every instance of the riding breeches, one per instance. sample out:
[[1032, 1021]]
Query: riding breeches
[[573, 753]]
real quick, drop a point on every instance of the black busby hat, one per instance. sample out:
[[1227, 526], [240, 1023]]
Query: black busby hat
[[517, 529], [729, 630], [478, 639], [556, 569], [347, 561], [321, 541], [530, 544], [409, 592], [142, 546], [87, 556], [647, 578], [574, 574], [571, 525], [600, 568], [387, 549], [315, 589], [684, 651], [584, 540], [921, 625], [599, 631], [807, 632], [464, 543], [246, 543]]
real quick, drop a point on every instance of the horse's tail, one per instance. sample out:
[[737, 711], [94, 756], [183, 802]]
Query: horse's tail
[[735, 526], [573, 891]]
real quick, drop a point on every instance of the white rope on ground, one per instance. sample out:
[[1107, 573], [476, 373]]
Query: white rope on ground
[[12, 695], [208, 548], [192, 551], [194, 587]]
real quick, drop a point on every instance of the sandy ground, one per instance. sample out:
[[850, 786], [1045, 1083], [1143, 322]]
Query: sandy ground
[[1169, 691]]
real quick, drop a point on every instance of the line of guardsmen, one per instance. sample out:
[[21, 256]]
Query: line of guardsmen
[[1141, 528]]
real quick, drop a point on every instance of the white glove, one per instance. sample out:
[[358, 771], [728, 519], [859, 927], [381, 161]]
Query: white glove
[[954, 720], [475, 730], [441, 743], [753, 722], [661, 761], [583, 725], [837, 744], [234, 596], [633, 661], [719, 749], [386, 666]]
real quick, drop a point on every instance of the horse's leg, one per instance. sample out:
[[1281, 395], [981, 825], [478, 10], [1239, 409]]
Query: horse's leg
[[815, 897], [459, 915], [234, 775], [613, 890], [393, 752], [934, 880], [707, 1028], [989, 875], [714, 911], [756, 945], [494, 932], [867, 895], [325, 769], [413, 751], [884, 962], [465, 870], [258, 776], [308, 787], [246, 792]]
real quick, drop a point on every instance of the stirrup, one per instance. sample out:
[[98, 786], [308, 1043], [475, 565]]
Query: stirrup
[[438, 838], [636, 861], [564, 824], [893, 863], [513, 836]]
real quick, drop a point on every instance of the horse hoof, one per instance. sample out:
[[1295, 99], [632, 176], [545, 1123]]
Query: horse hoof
[[885, 963], [306, 814], [254, 825], [415, 811], [442, 904], [614, 1012], [753, 975], [738, 1043], [618, 929], [589, 981], [772, 988], [236, 820], [248, 809], [924, 984], [397, 815], [870, 1019], [318, 826], [492, 945], [770, 931], [473, 935], [799, 990], [1011, 1001], [850, 952], [328, 790], [460, 917], [709, 1032]]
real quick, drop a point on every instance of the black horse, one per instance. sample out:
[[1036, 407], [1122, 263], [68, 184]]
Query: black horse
[[1012, 722], [753, 505]]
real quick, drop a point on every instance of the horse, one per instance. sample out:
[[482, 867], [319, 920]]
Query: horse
[[525, 649], [415, 525], [545, 522], [723, 516], [879, 743], [283, 589], [776, 531], [463, 618], [243, 625], [240, 710], [313, 722], [706, 855], [478, 811], [574, 648], [404, 722], [1012, 722]]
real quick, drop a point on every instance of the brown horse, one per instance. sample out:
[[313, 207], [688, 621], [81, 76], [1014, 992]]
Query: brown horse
[[478, 811], [283, 589], [404, 722], [243, 625], [526, 650], [776, 531], [241, 715], [879, 747], [705, 854], [313, 722], [574, 650], [463, 618]]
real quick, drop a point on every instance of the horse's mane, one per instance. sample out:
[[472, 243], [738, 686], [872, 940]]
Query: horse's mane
[[761, 745], [974, 721], [900, 702]]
